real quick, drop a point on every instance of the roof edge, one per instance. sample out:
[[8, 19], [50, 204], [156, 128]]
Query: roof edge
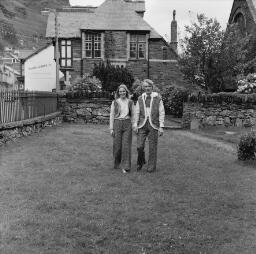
[[36, 52]]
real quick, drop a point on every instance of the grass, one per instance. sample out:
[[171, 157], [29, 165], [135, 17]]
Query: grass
[[59, 194], [230, 134]]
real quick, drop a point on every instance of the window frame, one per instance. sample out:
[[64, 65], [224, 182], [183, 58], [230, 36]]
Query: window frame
[[65, 57], [165, 53], [137, 44], [95, 43]]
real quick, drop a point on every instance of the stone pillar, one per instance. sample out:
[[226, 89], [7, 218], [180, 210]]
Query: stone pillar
[[174, 34]]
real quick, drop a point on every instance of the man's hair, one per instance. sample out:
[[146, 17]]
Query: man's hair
[[148, 81]]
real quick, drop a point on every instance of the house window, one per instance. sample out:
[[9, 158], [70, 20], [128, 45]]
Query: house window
[[92, 45], [66, 53], [164, 53], [138, 46]]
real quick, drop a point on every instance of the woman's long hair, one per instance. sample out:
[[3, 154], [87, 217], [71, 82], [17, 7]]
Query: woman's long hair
[[117, 95]]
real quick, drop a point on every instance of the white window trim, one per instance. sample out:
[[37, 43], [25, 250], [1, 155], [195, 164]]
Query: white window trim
[[128, 48], [102, 53]]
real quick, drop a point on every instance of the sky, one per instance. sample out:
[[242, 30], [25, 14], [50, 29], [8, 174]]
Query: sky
[[159, 12]]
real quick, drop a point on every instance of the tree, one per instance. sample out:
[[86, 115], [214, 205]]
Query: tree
[[214, 58], [201, 47], [233, 60]]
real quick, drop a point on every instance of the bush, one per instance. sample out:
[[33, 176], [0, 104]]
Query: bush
[[173, 99], [84, 86], [223, 97], [247, 85], [111, 77], [247, 146]]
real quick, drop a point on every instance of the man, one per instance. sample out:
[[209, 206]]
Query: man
[[148, 122]]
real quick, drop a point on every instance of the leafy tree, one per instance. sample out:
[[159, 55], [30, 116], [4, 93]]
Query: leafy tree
[[201, 46], [214, 58], [232, 61]]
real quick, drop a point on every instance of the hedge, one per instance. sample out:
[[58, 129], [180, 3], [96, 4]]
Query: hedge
[[223, 97]]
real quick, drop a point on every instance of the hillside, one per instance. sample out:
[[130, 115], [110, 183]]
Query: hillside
[[21, 23]]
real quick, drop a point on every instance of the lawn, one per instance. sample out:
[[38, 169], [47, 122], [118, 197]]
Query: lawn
[[60, 194], [227, 134]]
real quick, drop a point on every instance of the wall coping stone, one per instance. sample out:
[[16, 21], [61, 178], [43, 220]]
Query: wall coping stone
[[96, 100], [40, 119]]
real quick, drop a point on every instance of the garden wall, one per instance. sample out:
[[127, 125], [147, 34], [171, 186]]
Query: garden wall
[[85, 110], [12, 131], [199, 115]]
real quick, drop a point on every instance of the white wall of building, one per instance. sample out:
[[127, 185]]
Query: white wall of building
[[40, 71]]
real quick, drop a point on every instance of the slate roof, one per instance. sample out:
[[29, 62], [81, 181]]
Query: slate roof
[[111, 15]]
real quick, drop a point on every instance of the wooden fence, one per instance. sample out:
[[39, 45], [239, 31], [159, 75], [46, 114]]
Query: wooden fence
[[20, 105]]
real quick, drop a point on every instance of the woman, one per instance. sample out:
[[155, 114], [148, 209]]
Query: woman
[[121, 117]]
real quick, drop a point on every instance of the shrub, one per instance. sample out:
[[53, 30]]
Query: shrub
[[223, 97], [111, 77], [87, 84], [84, 85], [247, 146], [247, 85], [173, 99]]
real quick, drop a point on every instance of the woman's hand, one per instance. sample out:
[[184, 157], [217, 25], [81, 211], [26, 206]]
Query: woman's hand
[[112, 133]]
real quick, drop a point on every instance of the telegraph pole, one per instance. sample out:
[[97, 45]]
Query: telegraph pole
[[57, 51], [55, 12]]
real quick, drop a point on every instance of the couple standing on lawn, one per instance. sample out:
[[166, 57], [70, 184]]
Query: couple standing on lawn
[[146, 119]]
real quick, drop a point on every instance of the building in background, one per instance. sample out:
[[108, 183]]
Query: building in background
[[8, 78], [40, 70], [114, 31]]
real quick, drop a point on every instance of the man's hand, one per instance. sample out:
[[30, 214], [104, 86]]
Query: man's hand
[[160, 132], [112, 133]]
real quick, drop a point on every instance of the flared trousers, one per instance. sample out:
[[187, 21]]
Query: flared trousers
[[122, 144]]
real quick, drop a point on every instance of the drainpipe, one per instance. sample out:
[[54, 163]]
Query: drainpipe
[[148, 59]]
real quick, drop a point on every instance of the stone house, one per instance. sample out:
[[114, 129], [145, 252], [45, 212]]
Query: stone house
[[114, 31]]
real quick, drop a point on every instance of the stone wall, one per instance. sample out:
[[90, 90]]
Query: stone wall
[[199, 115], [12, 131], [85, 111]]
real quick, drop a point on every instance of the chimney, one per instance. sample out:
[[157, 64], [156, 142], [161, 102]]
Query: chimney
[[174, 41]]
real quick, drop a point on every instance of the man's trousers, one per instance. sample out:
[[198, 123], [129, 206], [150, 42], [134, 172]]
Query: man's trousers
[[147, 131], [122, 144]]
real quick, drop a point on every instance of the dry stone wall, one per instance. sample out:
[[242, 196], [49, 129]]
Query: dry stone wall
[[199, 115], [12, 131], [85, 111]]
